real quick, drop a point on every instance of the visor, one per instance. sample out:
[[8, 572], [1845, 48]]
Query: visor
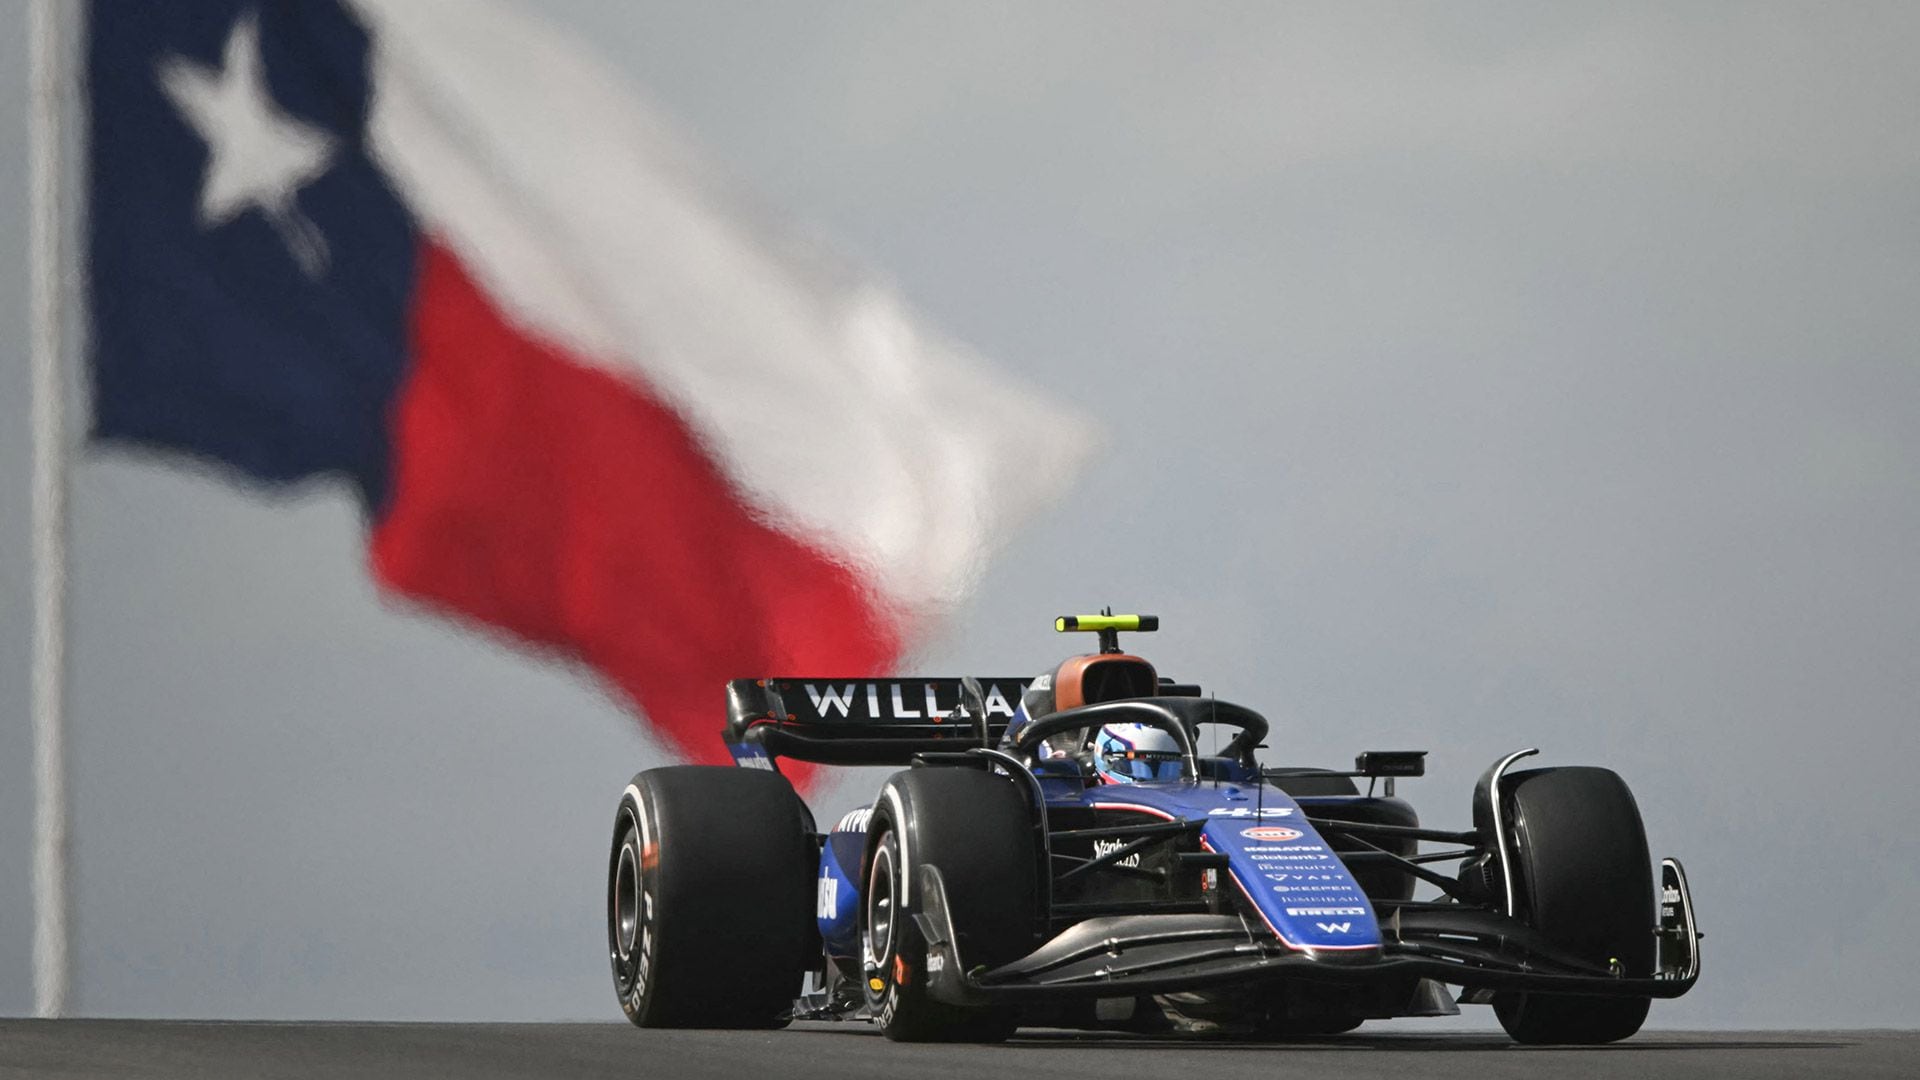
[[1144, 764]]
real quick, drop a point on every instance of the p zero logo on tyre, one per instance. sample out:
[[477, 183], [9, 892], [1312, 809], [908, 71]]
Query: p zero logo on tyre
[[1272, 834]]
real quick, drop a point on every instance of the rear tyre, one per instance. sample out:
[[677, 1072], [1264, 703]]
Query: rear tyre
[[709, 898], [977, 828], [1583, 877]]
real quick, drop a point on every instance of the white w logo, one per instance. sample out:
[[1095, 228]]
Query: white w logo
[[1335, 927]]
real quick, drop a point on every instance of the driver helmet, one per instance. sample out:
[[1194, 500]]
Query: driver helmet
[[1128, 753]]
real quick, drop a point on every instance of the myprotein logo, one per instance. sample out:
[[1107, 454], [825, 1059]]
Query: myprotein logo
[[1271, 834]]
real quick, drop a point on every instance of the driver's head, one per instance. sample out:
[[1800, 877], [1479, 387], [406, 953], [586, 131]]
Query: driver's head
[[1128, 753]]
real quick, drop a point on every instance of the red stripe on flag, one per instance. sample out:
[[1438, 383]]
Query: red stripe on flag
[[564, 504]]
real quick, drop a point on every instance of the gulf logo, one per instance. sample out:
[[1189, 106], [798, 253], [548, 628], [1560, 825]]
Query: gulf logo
[[1272, 834]]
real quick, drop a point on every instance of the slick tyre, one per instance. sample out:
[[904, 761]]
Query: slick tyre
[[709, 898], [977, 828], [1583, 877]]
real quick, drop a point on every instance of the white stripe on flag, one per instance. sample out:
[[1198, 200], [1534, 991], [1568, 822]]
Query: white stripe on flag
[[843, 421]]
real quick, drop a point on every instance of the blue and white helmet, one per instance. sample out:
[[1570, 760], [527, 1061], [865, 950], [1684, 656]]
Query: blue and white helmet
[[1129, 753]]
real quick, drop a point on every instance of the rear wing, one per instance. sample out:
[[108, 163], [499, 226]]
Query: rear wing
[[882, 721]]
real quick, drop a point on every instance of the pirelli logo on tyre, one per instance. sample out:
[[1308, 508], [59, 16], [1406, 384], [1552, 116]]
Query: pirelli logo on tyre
[[1271, 834]]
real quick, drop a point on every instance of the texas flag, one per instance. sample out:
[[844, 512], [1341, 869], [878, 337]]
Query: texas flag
[[436, 248]]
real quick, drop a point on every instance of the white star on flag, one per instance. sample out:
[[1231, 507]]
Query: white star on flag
[[258, 157]]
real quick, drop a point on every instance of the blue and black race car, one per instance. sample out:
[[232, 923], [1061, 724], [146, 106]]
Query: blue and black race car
[[1061, 851]]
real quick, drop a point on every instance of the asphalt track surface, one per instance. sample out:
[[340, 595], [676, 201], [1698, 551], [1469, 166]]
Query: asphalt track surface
[[164, 1050]]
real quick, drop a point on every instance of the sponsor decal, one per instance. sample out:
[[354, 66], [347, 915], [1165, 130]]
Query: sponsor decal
[[826, 899], [1250, 811], [1273, 834], [996, 702], [1335, 927], [643, 952], [892, 700], [827, 701], [1344, 889], [750, 756], [1669, 895], [936, 962], [1271, 851], [1266, 856], [1108, 847], [855, 820], [1326, 911], [876, 984]]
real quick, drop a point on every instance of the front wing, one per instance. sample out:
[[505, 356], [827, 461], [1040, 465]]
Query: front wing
[[1480, 951]]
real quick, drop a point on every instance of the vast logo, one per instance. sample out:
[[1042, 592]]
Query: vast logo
[[1273, 834]]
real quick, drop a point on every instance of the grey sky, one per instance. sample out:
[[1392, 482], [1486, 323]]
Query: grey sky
[[1475, 376]]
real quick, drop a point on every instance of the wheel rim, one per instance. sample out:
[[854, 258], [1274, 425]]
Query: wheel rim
[[882, 908], [626, 903], [630, 910]]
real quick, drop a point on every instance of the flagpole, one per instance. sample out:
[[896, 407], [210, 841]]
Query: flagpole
[[51, 281]]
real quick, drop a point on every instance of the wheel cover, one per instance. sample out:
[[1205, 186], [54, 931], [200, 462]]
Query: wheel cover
[[626, 904], [630, 912], [882, 909]]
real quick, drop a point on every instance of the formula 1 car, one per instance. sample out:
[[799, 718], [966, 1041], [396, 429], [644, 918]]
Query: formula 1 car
[[1061, 852]]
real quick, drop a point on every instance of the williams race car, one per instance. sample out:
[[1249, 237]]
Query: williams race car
[[1061, 851]]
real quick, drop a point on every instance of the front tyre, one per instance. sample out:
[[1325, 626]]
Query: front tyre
[[709, 898], [977, 828], [1584, 878]]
